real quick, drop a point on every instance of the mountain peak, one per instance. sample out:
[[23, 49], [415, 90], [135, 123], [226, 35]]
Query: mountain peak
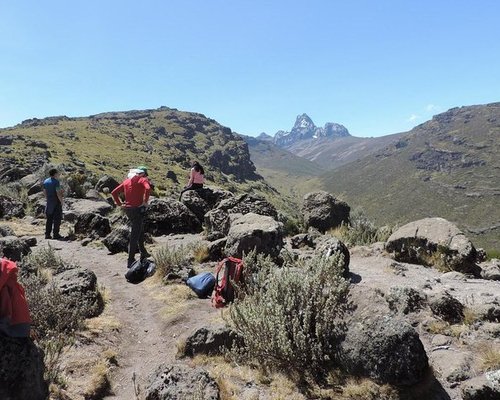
[[303, 121]]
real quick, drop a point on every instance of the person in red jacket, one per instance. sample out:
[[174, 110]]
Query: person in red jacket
[[136, 191], [15, 318]]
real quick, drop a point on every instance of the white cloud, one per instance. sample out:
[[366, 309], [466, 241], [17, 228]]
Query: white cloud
[[431, 107], [413, 117]]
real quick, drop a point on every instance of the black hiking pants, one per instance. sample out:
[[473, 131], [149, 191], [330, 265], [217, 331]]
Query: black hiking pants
[[136, 218], [54, 217], [194, 186]]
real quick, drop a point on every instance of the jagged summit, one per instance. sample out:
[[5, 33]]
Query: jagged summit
[[305, 129]]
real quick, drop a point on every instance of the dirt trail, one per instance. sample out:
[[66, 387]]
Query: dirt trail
[[147, 335]]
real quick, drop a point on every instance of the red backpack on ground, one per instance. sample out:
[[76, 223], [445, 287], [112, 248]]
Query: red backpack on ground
[[229, 272]]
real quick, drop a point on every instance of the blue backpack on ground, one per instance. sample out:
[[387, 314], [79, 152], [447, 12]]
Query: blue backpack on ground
[[202, 284]]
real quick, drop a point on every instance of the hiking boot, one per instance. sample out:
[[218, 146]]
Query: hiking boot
[[129, 263], [58, 237], [145, 255], [48, 237]]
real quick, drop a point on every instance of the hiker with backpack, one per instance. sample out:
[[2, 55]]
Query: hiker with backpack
[[196, 178], [53, 210], [136, 190]]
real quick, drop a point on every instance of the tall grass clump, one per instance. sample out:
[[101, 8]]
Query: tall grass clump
[[167, 258], [360, 230], [290, 318]]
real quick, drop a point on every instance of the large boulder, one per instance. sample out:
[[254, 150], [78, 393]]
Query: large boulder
[[106, 182], [80, 285], [323, 211], [21, 370], [217, 224], [405, 300], [117, 240], [446, 307], [14, 248], [484, 387], [252, 231], [433, 242], [490, 270], [11, 208], [193, 200], [248, 203], [6, 231], [85, 206], [216, 249], [92, 225], [380, 345], [180, 382], [165, 216], [212, 340]]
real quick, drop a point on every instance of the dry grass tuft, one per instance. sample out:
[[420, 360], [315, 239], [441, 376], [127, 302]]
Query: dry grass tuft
[[99, 384], [489, 356], [103, 323], [365, 389], [201, 254]]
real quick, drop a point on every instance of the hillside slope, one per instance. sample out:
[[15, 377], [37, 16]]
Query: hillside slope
[[166, 140], [284, 170], [448, 167]]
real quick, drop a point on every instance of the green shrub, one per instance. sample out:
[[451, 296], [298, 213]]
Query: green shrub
[[289, 318], [361, 231], [167, 258]]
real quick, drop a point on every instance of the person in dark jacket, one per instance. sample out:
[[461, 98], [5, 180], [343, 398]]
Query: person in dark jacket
[[53, 211], [136, 190]]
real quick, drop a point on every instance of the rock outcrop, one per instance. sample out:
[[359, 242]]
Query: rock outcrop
[[178, 381], [166, 216], [433, 241], [323, 211], [211, 340], [14, 248], [106, 182], [252, 231], [92, 225], [484, 387], [11, 208], [117, 240]]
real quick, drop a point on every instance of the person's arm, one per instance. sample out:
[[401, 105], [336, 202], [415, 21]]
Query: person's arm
[[115, 193], [191, 178], [147, 192], [60, 196]]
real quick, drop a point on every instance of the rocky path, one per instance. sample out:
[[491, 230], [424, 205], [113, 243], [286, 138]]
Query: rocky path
[[147, 335]]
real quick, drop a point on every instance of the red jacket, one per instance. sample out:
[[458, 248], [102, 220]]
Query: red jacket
[[13, 305], [136, 191]]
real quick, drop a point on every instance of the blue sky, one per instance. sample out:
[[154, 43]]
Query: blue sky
[[378, 67]]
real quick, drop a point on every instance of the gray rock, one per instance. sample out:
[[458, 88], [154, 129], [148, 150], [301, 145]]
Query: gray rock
[[303, 240], [380, 345], [21, 370], [165, 216], [85, 206], [490, 270], [217, 224], [212, 340], [252, 231], [80, 285], [484, 387], [106, 182], [180, 382], [330, 246], [117, 240], [216, 249], [323, 211], [453, 276], [92, 225], [446, 307], [405, 300], [11, 208], [433, 240], [14, 248], [93, 194], [248, 203], [193, 200], [487, 312], [6, 231]]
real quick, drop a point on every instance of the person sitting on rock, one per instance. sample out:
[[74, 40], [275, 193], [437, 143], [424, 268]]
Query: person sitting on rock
[[136, 191], [53, 211], [196, 178]]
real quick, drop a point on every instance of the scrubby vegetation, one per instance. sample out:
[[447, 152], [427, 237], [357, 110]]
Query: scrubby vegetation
[[361, 231], [167, 258], [289, 318]]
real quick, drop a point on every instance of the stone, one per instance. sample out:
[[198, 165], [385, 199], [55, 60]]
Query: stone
[[380, 345], [21, 370], [483, 387], [117, 240], [446, 307], [14, 248], [80, 284], [193, 200], [330, 245], [93, 194], [6, 231], [217, 224], [177, 381], [107, 182], [405, 300], [490, 270], [165, 216], [86, 206], [453, 365], [254, 232], [11, 208], [487, 312], [216, 249], [453, 276], [92, 225], [433, 241], [211, 340], [323, 211], [248, 203], [303, 240]]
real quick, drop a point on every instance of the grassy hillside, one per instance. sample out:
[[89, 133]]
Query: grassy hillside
[[290, 174], [448, 166], [166, 140]]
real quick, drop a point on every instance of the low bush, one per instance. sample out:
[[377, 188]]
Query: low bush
[[167, 258], [361, 231], [290, 317]]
